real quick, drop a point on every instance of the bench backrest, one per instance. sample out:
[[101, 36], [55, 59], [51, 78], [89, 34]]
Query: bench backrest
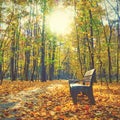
[[89, 77]]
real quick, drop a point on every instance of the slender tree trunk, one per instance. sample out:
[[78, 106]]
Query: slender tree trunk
[[78, 43], [108, 42], [109, 65], [91, 41], [13, 50], [17, 48], [49, 58], [34, 66], [90, 52], [118, 53], [1, 56], [28, 40], [43, 67], [27, 59], [100, 63], [118, 42], [12, 59], [51, 69], [26, 66], [109, 53], [34, 62], [1, 73]]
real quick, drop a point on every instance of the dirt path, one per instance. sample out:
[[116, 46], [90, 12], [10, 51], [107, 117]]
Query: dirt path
[[24, 99]]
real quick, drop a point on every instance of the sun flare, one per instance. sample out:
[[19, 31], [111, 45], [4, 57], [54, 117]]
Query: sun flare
[[60, 21]]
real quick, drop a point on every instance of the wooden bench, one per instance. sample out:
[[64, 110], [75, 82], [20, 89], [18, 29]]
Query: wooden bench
[[85, 88]]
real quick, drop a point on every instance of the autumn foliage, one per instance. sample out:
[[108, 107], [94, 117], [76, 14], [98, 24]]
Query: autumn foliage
[[52, 101]]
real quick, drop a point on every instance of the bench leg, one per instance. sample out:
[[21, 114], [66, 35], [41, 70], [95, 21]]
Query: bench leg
[[91, 98], [74, 97]]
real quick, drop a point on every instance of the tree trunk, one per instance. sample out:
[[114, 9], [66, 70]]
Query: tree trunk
[[118, 53], [26, 66], [34, 66], [118, 42], [51, 69], [91, 41], [108, 42], [43, 67], [12, 59], [78, 43], [1, 74], [109, 65]]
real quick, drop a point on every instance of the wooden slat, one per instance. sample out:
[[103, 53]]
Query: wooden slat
[[90, 72]]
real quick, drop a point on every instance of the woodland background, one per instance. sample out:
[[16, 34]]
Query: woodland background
[[30, 51]]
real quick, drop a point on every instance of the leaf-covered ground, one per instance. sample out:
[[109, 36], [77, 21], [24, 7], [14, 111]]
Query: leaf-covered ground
[[51, 101]]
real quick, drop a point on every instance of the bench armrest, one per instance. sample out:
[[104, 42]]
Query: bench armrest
[[73, 81]]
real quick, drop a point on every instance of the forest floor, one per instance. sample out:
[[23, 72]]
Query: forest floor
[[51, 101]]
